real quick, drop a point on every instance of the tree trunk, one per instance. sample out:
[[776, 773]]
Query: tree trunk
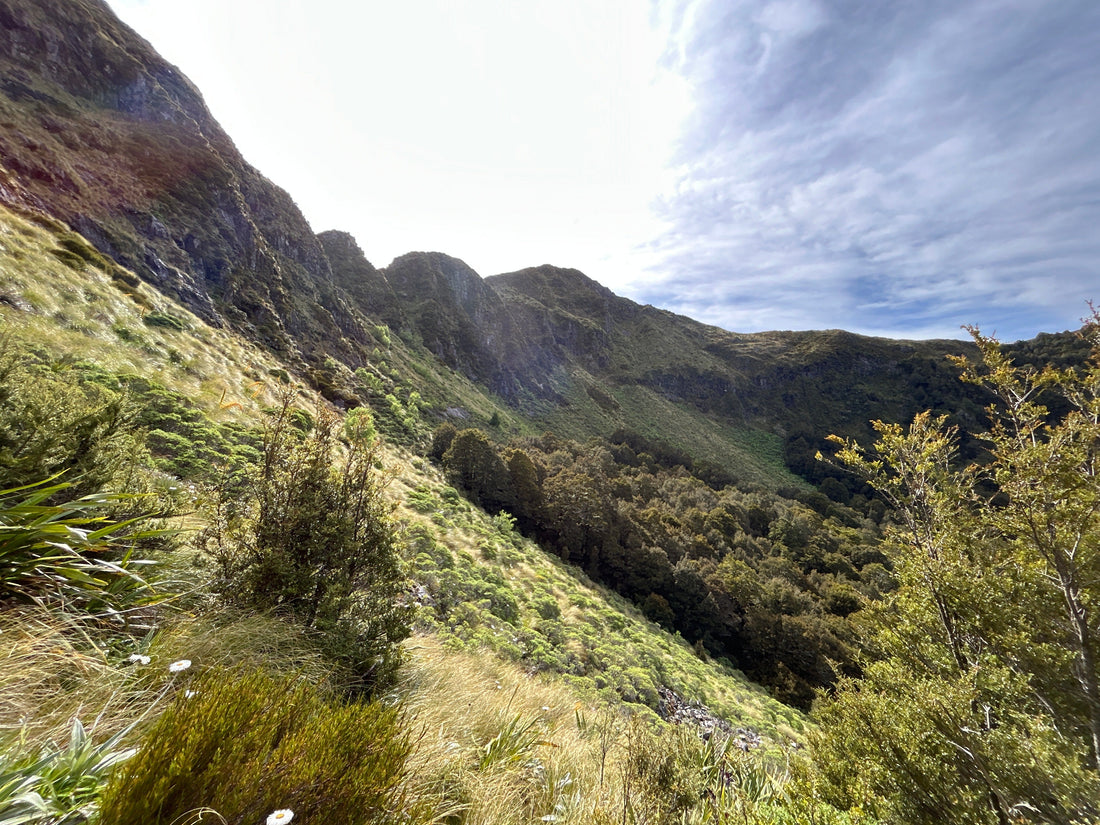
[[1079, 619]]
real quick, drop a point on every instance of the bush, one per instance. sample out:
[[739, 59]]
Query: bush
[[245, 744], [55, 784], [52, 421], [310, 536], [165, 320]]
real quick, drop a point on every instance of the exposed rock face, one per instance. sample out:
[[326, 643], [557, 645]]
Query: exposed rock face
[[566, 315], [366, 288], [102, 133], [98, 131], [674, 708], [459, 317]]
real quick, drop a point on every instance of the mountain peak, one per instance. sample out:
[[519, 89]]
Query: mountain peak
[[565, 290], [444, 278], [85, 51]]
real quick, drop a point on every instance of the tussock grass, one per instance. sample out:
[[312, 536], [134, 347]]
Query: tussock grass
[[495, 745], [85, 315], [52, 672], [514, 693], [600, 644]]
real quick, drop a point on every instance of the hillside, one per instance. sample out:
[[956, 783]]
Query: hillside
[[97, 131], [491, 610], [112, 153], [596, 519]]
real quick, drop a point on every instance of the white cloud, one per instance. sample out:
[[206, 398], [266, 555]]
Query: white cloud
[[897, 168], [933, 159]]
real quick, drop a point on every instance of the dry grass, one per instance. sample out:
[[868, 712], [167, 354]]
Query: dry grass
[[554, 755], [458, 703], [595, 624], [83, 314], [52, 671]]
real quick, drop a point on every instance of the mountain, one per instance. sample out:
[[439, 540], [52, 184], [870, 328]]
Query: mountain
[[610, 495], [99, 132]]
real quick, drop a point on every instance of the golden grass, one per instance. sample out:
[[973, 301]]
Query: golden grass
[[568, 756], [458, 702], [79, 312], [596, 621], [52, 672]]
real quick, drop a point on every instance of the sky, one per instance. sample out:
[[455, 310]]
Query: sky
[[893, 168]]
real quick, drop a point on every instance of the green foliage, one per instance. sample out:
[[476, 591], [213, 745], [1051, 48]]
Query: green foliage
[[515, 742], [984, 704], [54, 420], [673, 776], [359, 428], [310, 535], [165, 320], [183, 439], [74, 555], [763, 581], [244, 743], [57, 785], [442, 437], [473, 465], [398, 419], [68, 258]]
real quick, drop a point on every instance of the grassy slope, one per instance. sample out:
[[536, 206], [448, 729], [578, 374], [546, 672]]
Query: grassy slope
[[516, 600], [723, 397]]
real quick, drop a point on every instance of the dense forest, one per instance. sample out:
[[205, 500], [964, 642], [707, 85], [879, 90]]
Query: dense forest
[[765, 581]]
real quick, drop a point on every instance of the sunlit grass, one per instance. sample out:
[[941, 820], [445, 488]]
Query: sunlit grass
[[600, 644], [538, 664], [83, 314]]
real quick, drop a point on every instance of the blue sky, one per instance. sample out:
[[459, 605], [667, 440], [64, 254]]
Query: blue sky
[[891, 168]]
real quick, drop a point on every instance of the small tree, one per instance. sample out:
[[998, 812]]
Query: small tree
[[312, 536], [472, 464], [981, 700]]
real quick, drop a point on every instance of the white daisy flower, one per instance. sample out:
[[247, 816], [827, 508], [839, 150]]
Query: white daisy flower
[[280, 817], [180, 666]]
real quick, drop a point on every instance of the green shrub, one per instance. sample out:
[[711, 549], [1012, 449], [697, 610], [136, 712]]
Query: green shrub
[[310, 535], [54, 420], [515, 742], [244, 744], [165, 320], [55, 785], [69, 259]]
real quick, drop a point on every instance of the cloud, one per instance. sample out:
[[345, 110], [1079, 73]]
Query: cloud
[[891, 168]]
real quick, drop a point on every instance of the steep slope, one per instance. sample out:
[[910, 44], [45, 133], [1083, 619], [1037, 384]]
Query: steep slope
[[99, 131], [731, 398], [479, 585]]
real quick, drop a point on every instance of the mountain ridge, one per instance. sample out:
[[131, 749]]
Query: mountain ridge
[[99, 132]]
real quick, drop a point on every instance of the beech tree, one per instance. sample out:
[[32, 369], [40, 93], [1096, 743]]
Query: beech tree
[[472, 464], [980, 697]]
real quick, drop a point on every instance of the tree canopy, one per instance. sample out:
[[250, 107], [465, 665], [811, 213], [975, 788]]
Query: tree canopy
[[980, 696]]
